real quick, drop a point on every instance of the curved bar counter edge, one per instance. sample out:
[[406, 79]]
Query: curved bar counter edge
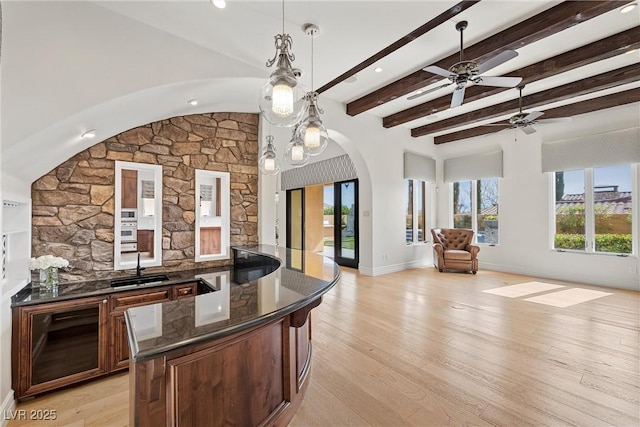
[[237, 356]]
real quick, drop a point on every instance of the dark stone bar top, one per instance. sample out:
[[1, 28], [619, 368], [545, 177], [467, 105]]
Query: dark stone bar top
[[34, 294], [247, 295]]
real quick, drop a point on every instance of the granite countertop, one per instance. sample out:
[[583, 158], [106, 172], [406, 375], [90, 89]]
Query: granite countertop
[[31, 295], [301, 278]]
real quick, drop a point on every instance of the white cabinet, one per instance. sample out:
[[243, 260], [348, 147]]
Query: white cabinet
[[16, 245]]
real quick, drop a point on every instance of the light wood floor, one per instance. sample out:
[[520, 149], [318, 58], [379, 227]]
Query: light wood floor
[[424, 348]]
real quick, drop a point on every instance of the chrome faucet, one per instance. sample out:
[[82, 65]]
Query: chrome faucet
[[138, 268]]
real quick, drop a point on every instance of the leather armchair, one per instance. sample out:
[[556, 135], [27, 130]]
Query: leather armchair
[[453, 249]]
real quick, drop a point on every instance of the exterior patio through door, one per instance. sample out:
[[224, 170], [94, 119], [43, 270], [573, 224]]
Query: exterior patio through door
[[308, 220]]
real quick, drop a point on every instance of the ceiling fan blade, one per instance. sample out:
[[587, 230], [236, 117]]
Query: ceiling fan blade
[[528, 129], [499, 59], [532, 116], [498, 124], [424, 92], [458, 95], [499, 81], [439, 71], [556, 120]]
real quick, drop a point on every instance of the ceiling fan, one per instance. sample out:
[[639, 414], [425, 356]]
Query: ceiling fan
[[525, 121], [464, 72]]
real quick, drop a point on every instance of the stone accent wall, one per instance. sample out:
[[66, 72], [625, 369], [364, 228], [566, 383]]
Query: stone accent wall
[[73, 205]]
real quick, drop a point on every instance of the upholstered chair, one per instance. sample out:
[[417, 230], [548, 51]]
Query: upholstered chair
[[453, 249]]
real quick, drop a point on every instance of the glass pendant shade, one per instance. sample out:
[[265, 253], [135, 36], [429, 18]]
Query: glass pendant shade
[[297, 154], [268, 163], [282, 99], [282, 102], [313, 132]]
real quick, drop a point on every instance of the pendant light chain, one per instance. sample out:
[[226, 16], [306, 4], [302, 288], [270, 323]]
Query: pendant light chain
[[283, 17], [312, 87]]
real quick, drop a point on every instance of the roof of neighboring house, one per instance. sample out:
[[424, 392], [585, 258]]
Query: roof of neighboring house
[[609, 202], [491, 210]]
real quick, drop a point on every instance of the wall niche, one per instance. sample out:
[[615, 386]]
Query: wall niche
[[73, 205]]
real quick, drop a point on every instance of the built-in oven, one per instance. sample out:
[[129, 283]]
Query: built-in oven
[[128, 231], [128, 236]]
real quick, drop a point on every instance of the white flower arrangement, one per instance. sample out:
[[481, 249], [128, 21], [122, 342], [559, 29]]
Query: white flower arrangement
[[46, 261]]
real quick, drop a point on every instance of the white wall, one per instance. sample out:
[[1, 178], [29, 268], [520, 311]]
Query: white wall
[[377, 154], [73, 66], [526, 205]]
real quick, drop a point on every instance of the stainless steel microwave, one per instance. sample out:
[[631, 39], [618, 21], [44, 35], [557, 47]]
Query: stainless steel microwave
[[127, 214]]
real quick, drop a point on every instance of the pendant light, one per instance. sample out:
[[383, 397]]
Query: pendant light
[[311, 130], [296, 154], [282, 97], [268, 163]]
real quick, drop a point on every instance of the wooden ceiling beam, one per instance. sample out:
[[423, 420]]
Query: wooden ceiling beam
[[551, 21], [599, 50], [595, 104], [433, 23], [620, 76]]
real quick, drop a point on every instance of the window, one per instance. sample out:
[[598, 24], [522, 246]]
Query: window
[[475, 206], [416, 212], [593, 210]]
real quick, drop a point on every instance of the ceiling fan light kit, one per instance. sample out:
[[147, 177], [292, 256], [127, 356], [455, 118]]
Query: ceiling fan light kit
[[525, 121], [464, 72]]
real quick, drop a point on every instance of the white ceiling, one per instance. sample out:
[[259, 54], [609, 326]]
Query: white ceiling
[[69, 66], [351, 31]]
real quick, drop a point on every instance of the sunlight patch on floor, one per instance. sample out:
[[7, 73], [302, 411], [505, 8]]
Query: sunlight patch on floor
[[568, 297], [522, 289]]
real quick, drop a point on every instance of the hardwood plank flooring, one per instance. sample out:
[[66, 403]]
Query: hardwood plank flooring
[[423, 348]]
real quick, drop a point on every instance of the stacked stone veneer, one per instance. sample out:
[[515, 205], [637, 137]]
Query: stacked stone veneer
[[73, 205]]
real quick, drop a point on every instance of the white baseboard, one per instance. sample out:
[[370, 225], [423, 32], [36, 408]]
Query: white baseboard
[[568, 276], [387, 269], [8, 407], [572, 276]]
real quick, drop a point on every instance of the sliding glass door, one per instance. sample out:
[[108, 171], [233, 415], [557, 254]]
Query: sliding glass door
[[306, 228], [346, 223]]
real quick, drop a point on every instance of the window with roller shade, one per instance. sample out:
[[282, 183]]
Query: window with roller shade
[[419, 172], [475, 194], [593, 203]]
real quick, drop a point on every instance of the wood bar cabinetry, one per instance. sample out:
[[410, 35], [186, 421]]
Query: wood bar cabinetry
[[255, 377], [59, 343], [56, 344], [118, 344]]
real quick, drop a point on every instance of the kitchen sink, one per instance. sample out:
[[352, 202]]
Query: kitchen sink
[[139, 280]]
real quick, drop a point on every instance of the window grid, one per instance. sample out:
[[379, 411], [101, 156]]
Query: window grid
[[475, 205]]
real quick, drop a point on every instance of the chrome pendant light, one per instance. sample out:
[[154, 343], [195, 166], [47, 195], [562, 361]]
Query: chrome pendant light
[[311, 130], [268, 163], [296, 154], [282, 97]]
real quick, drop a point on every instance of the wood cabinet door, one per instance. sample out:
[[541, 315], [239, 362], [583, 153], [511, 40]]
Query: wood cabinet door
[[145, 241], [210, 240], [118, 340], [129, 189], [59, 344], [119, 354]]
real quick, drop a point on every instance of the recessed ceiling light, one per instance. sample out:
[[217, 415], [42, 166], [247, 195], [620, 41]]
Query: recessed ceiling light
[[89, 134], [220, 4], [193, 101], [351, 79], [378, 70], [628, 8]]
